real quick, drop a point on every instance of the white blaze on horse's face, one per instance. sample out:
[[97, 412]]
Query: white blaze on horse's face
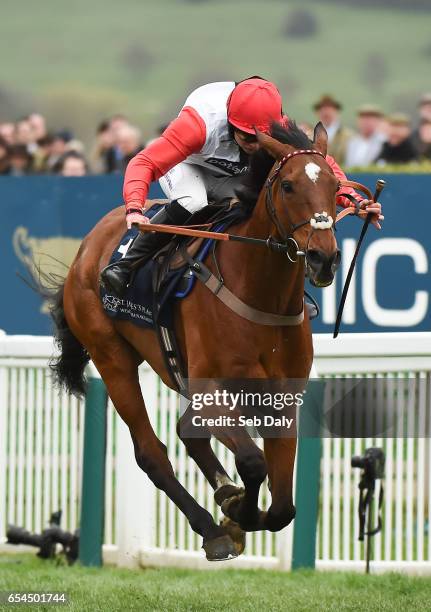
[[312, 170]]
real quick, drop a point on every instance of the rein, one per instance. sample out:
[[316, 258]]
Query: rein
[[319, 221]]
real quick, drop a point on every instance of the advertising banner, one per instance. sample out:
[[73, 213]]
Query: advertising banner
[[43, 220]]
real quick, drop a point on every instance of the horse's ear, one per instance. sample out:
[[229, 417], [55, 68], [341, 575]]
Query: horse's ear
[[271, 145], [320, 138]]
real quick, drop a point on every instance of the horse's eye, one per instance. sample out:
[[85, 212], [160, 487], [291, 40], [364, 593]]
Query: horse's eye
[[287, 186]]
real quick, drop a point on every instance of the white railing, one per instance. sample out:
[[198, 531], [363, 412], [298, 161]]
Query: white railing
[[41, 433], [401, 360]]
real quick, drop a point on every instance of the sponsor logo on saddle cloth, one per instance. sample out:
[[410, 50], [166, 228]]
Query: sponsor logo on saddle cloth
[[116, 305]]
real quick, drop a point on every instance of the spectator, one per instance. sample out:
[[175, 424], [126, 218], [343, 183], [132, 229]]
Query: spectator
[[399, 148], [117, 122], [38, 125], [20, 160], [72, 164], [24, 135], [114, 157], [40, 158], [58, 148], [425, 107], [7, 131], [363, 148], [129, 142], [104, 143], [328, 111], [4, 156], [424, 139]]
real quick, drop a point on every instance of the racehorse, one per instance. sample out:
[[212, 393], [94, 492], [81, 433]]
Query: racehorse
[[215, 342]]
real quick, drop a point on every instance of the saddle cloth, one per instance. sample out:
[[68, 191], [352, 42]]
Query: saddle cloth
[[137, 304]]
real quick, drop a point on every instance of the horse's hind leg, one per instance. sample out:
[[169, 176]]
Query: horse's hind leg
[[117, 363]]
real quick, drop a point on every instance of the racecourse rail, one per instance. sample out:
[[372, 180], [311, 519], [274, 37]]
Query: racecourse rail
[[41, 444]]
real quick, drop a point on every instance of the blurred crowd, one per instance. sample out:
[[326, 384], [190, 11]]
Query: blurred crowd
[[378, 138], [27, 146]]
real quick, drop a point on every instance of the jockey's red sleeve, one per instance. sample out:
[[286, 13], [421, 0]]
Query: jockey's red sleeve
[[342, 177], [183, 137]]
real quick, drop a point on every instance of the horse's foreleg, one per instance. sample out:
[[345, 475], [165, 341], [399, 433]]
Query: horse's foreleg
[[251, 466], [239, 504], [250, 463], [199, 449], [280, 459], [118, 368]]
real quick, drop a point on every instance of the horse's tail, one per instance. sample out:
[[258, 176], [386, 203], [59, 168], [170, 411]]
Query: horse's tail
[[67, 367]]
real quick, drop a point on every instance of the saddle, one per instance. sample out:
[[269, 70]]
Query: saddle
[[208, 218], [183, 252], [166, 276]]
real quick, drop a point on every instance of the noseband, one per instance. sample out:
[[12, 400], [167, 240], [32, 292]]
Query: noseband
[[319, 221]]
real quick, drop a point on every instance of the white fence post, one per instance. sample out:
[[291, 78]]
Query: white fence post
[[136, 494], [3, 448]]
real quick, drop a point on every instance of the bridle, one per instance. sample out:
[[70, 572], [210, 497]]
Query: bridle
[[288, 238], [320, 221]]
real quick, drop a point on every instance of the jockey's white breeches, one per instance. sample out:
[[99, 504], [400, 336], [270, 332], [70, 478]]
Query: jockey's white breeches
[[196, 186]]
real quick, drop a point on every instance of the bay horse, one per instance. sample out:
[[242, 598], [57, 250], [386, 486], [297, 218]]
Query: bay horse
[[216, 342]]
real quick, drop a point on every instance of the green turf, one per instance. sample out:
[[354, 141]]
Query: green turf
[[73, 59], [174, 590]]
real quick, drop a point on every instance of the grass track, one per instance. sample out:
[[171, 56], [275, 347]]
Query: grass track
[[172, 590]]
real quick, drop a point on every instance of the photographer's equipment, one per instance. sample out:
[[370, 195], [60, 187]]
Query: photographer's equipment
[[47, 541], [372, 464]]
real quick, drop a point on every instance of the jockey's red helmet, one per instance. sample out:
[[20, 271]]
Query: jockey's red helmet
[[254, 103]]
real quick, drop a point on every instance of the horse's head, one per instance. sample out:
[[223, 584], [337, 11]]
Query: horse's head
[[300, 198]]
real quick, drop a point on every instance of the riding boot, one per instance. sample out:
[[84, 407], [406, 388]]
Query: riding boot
[[117, 276]]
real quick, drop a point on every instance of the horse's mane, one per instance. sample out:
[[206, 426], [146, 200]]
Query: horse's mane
[[261, 162]]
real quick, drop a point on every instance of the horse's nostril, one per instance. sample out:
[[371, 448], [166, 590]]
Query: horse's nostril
[[314, 257]]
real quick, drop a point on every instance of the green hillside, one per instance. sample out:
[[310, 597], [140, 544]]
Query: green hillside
[[81, 60]]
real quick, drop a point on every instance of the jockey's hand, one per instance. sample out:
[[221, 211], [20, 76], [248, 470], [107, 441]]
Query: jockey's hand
[[375, 208], [135, 217]]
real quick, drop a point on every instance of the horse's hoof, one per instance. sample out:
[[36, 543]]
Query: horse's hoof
[[230, 505], [220, 549], [247, 520], [226, 491], [235, 532]]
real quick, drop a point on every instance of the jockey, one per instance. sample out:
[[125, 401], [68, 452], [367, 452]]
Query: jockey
[[200, 158]]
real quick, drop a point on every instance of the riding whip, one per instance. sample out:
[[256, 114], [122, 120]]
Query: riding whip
[[379, 188]]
